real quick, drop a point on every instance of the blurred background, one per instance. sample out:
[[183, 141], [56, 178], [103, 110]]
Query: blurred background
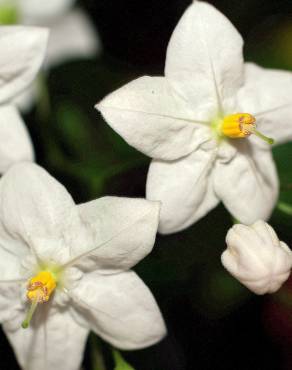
[[213, 321]]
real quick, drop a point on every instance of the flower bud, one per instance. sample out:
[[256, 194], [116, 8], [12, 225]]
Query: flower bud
[[256, 257]]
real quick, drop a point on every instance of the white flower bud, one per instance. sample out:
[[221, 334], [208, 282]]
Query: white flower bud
[[256, 257]]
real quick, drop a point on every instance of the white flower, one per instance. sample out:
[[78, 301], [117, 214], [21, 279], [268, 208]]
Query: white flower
[[256, 257], [78, 259], [72, 34], [22, 53], [195, 123]]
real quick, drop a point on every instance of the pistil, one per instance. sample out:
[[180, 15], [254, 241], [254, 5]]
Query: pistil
[[29, 314]]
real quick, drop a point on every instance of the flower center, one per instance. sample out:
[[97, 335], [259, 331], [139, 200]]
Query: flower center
[[39, 289], [241, 125], [8, 14], [238, 125], [41, 286]]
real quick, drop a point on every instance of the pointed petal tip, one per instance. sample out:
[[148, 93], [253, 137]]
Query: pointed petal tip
[[97, 106], [25, 49], [22, 165], [43, 34]]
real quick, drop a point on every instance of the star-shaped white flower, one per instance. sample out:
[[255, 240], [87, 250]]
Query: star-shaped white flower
[[257, 258], [195, 123], [73, 263], [22, 53]]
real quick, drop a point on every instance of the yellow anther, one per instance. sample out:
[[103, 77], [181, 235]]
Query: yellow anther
[[39, 290], [238, 125], [40, 287]]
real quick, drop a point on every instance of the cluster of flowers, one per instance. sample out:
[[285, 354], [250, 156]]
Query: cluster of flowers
[[66, 269]]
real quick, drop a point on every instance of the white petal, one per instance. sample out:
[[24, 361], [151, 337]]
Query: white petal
[[248, 184], [13, 250], [34, 13], [10, 259], [149, 116], [36, 209], [204, 59], [53, 341], [120, 309], [185, 189], [252, 249], [27, 98], [23, 50], [267, 94], [10, 300], [15, 144], [72, 37], [123, 232], [266, 232]]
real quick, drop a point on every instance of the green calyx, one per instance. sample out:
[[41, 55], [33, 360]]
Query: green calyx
[[216, 125]]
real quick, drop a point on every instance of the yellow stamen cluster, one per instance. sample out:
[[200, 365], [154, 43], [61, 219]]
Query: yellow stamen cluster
[[238, 125], [40, 287], [39, 290]]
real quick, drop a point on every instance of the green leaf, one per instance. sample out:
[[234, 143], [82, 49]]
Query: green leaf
[[120, 363], [283, 157]]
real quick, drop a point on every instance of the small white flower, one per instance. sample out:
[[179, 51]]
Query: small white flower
[[256, 257], [196, 123], [72, 34], [22, 53], [73, 264]]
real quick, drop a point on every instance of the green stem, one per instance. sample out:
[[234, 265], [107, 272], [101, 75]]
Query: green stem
[[234, 220], [120, 363], [44, 101], [285, 208]]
